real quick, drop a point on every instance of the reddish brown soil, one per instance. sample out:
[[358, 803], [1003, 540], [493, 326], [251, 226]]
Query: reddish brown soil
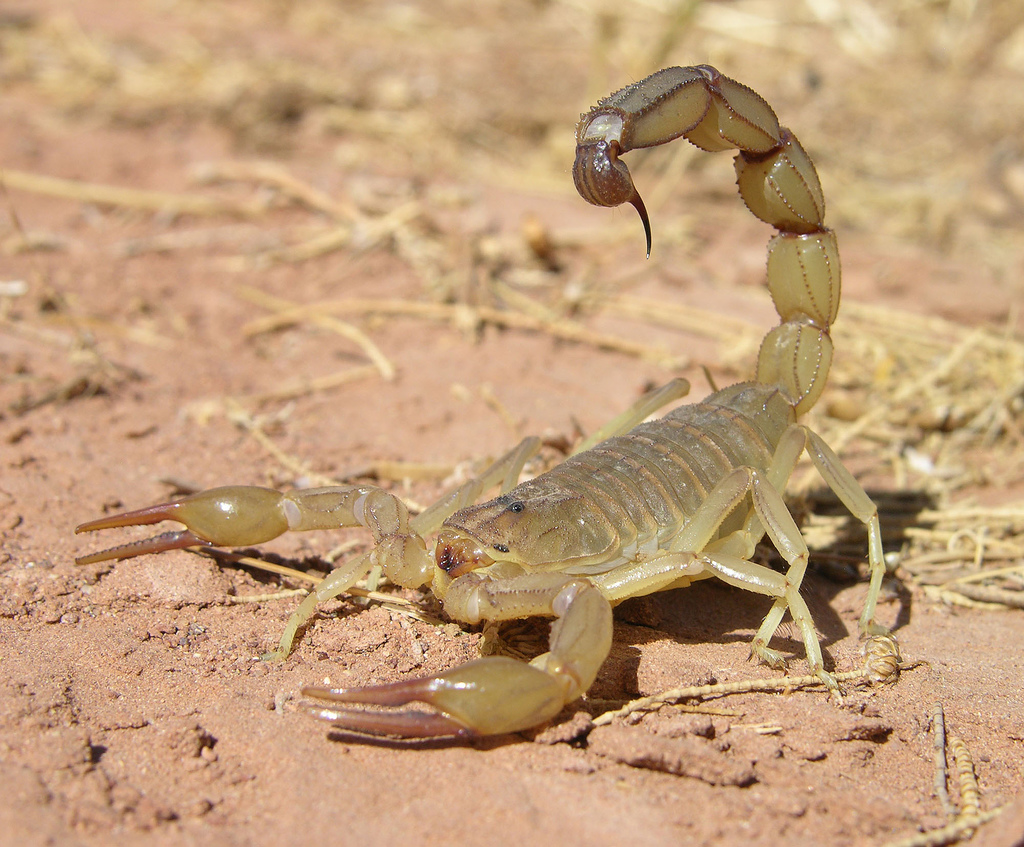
[[133, 704]]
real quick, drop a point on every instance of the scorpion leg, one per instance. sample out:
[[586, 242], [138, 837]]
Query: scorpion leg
[[794, 441], [505, 471], [763, 580], [392, 557], [493, 695], [643, 408], [856, 499], [728, 558], [681, 564]]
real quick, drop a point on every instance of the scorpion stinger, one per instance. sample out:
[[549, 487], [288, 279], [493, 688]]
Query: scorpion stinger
[[601, 177], [653, 506]]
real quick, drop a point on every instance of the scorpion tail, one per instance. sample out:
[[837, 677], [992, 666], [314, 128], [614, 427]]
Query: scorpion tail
[[776, 180]]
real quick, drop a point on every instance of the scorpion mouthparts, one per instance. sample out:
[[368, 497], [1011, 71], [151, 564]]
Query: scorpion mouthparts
[[457, 554]]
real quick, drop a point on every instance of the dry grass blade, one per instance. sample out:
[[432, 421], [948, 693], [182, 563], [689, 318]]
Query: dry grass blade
[[312, 385], [991, 597], [685, 318], [342, 328], [270, 173], [128, 198], [467, 318], [938, 389], [955, 559], [294, 465], [951, 833]]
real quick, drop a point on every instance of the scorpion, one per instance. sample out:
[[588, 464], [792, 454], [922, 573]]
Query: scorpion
[[639, 507]]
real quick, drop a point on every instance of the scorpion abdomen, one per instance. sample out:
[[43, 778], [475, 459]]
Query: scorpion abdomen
[[636, 492]]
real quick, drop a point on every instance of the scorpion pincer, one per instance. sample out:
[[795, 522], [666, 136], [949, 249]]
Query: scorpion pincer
[[639, 507]]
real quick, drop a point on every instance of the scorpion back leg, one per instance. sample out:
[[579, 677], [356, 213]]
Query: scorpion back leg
[[694, 554], [794, 441], [855, 498]]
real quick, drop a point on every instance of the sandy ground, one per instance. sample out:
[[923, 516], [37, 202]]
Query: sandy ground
[[427, 152]]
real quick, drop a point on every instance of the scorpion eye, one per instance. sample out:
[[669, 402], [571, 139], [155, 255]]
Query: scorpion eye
[[501, 548], [517, 506]]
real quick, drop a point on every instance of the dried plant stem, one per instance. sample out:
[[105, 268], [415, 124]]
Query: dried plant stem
[[313, 385], [939, 751], [294, 465], [882, 663], [744, 686], [962, 827], [287, 183], [970, 795], [907, 390], [700, 322], [990, 596]]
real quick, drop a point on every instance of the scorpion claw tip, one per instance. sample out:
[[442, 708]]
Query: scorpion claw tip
[[157, 544], [392, 719], [139, 517], [405, 723]]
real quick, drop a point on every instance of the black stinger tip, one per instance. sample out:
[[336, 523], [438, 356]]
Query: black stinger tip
[[638, 204]]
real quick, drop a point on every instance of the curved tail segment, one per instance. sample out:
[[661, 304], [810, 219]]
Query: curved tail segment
[[777, 182]]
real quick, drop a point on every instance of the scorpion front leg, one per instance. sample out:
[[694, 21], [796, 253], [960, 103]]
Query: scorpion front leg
[[493, 695]]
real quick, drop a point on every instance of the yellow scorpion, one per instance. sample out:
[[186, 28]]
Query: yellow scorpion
[[639, 507]]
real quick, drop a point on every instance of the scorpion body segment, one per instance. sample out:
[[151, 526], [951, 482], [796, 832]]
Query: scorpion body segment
[[640, 507]]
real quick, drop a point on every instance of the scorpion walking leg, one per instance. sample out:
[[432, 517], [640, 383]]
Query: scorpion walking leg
[[493, 695], [728, 557], [773, 517], [753, 577], [395, 547], [505, 471], [796, 439], [643, 408], [680, 564], [855, 498]]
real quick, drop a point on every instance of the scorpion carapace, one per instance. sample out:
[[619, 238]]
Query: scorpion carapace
[[639, 507]]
